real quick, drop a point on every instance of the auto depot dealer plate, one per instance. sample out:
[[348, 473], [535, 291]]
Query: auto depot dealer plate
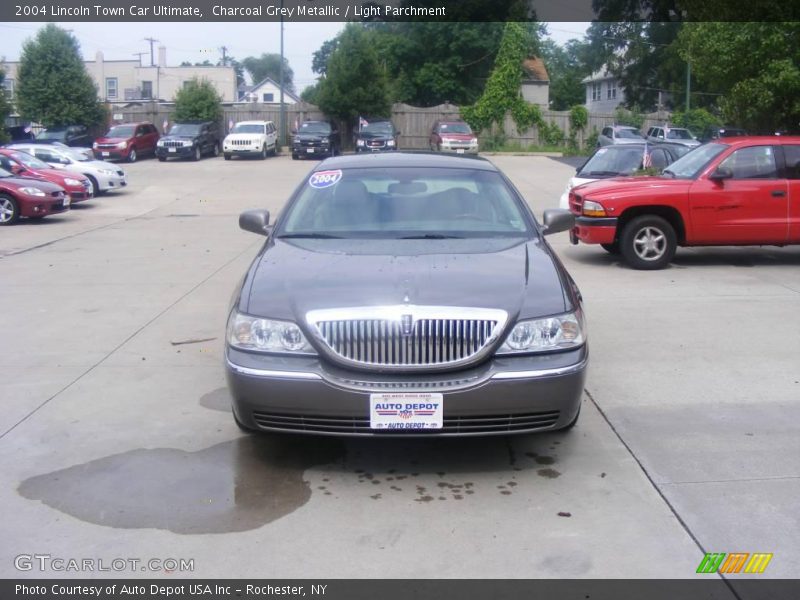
[[405, 411]]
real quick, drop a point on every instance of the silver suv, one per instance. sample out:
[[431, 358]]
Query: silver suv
[[618, 134], [679, 135]]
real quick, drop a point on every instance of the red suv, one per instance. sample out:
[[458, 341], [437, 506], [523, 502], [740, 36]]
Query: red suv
[[733, 192], [22, 164], [127, 141]]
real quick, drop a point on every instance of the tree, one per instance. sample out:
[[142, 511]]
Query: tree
[[754, 66], [198, 101], [269, 65], [355, 84], [5, 108], [566, 67], [53, 87], [310, 93], [319, 61]]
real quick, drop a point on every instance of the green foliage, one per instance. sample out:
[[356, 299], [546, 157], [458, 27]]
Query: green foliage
[[566, 68], [53, 87], [591, 140], [355, 83], [578, 117], [320, 58], [198, 101], [632, 117], [755, 66], [5, 109], [493, 141], [502, 92], [551, 134], [310, 93], [696, 119], [269, 65]]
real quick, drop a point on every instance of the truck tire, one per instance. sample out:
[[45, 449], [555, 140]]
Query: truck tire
[[648, 242]]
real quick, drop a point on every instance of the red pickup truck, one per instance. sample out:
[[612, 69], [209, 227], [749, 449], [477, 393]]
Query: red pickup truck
[[735, 192]]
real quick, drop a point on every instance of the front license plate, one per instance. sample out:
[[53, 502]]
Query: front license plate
[[405, 411], [460, 151], [310, 150], [67, 201], [106, 153], [173, 149]]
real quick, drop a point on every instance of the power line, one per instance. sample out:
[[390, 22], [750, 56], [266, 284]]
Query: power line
[[152, 41]]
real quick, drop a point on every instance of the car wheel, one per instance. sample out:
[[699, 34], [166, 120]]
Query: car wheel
[[648, 242], [215, 151], [295, 157], [162, 159], [132, 155], [438, 147], [227, 156], [9, 211], [263, 154], [197, 154], [611, 248], [274, 151], [93, 189]]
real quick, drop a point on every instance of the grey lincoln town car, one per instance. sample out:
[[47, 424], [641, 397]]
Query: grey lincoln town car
[[406, 294]]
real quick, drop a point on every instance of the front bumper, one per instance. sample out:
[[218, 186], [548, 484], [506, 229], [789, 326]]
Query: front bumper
[[179, 151], [242, 150], [111, 153], [594, 230], [460, 149], [311, 150], [500, 397], [36, 206], [375, 149], [110, 182]]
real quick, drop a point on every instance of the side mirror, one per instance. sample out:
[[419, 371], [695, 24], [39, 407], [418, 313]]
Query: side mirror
[[720, 174], [556, 220], [255, 221]]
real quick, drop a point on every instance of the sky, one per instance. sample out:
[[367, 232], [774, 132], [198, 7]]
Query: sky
[[196, 42]]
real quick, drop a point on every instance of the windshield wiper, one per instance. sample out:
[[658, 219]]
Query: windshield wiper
[[431, 236], [311, 236], [599, 173]]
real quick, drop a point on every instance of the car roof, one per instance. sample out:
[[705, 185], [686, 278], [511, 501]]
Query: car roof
[[407, 159], [131, 123], [252, 123], [745, 140]]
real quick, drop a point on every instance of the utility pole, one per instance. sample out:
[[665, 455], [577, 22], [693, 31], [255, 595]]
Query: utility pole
[[224, 50], [152, 41], [140, 55], [688, 82], [283, 106]]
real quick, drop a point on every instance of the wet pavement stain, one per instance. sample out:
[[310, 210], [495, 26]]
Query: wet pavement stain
[[219, 399], [233, 486], [548, 473]]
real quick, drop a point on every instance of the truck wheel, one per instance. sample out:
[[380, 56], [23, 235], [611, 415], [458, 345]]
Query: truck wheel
[[263, 154], [611, 248], [197, 154], [132, 155], [295, 157], [648, 243], [162, 159], [227, 156], [9, 211], [215, 151]]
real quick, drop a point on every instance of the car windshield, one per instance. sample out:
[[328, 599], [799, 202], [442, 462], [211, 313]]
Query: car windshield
[[247, 128], [184, 129], [613, 160], [461, 128], [315, 127], [121, 131], [74, 154], [405, 203], [629, 134], [52, 134], [679, 134], [29, 161], [689, 165], [378, 127]]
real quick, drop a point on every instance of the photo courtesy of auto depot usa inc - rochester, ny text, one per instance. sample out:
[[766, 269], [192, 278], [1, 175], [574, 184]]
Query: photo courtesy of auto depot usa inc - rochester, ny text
[[333, 10]]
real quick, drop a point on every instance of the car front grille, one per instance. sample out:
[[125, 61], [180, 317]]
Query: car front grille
[[376, 143], [407, 336], [242, 142], [478, 424], [173, 144], [106, 146]]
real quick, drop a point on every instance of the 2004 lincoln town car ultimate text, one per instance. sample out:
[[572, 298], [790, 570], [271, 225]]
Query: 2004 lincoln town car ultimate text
[[406, 294]]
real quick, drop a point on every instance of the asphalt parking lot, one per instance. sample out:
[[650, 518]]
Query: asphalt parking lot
[[116, 439]]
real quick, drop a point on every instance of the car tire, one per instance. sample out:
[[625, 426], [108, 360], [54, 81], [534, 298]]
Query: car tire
[[611, 248], [274, 151], [197, 154], [215, 151], [295, 157], [438, 147], [648, 243], [9, 210], [162, 158], [94, 188], [132, 155], [227, 156], [263, 154]]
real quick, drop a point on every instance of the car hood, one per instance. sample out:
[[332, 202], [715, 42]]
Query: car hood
[[112, 140], [20, 182], [312, 137], [374, 136], [459, 137], [293, 277], [623, 186]]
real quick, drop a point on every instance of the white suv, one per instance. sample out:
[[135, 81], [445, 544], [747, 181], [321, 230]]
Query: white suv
[[251, 138]]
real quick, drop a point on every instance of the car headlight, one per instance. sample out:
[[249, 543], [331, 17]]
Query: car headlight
[[266, 335], [122, 145], [473, 142], [390, 143], [593, 209], [561, 332], [360, 143], [160, 143], [32, 191], [70, 181], [94, 145]]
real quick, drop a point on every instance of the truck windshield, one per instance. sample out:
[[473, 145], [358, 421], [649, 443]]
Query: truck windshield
[[690, 165]]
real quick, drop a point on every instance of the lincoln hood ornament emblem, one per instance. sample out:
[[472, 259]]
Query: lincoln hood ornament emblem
[[406, 325]]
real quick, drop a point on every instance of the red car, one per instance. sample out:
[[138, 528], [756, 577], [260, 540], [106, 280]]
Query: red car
[[24, 197], [736, 191], [23, 164], [453, 136], [127, 141]]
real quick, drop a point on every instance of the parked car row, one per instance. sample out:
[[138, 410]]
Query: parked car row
[[625, 134]]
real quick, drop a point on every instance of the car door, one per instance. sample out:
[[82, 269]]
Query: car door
[[791, 155], [751, 207]]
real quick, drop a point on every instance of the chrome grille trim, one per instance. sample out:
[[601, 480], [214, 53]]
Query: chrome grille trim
[[434, 337]]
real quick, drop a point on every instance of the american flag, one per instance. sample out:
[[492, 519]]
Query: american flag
[[362, 122], [647, 161]]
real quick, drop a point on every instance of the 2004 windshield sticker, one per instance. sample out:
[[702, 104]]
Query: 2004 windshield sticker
[[324, 179]]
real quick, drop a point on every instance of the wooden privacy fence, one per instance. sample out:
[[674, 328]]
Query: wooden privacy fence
[[414, 122]]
